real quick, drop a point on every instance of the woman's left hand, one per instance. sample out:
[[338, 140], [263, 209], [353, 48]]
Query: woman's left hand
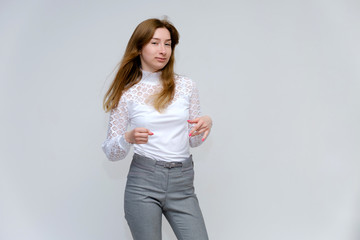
[[203, 125]]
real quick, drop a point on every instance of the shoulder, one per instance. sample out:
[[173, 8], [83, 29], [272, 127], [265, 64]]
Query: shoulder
[[185, 86], [126, 95], [133, 91], [184, 81], [183, 78]]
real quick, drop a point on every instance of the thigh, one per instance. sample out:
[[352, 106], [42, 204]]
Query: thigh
[[186, 219], [182, 208], [143, 216], [142, 205]]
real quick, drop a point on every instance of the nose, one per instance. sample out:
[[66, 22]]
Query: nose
[[162, 49]]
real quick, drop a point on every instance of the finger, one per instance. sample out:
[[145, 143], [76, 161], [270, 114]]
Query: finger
[[197, 127], [200, 125], [142, 137], [141, 140], [199, 131], [205, 135], [140, 134], [196, 120], [142, 130], [193, 130]]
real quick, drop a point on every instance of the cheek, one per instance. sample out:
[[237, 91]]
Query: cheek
[[147, 51], [147, 57]]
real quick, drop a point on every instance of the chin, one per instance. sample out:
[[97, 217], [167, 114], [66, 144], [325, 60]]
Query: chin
[[159, 68]]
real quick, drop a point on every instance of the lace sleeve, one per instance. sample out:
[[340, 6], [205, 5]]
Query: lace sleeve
[[194, 112], [115, 146]]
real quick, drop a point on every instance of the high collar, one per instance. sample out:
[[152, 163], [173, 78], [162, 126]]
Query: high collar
[[150, 77]]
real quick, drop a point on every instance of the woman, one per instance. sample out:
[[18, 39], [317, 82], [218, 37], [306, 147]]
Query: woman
[[164, 114]]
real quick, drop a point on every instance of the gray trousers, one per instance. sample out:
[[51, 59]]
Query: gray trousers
[[153, 190]]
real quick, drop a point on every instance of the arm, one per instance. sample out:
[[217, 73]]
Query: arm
[[115, 146], [199, 126]]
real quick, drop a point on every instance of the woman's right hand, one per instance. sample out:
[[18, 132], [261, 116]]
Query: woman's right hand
[[138, 135]]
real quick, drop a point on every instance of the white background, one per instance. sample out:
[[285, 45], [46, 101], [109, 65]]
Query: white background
[[281, 80]]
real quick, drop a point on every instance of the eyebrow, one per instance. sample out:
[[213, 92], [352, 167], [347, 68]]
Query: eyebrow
[[160, 39]]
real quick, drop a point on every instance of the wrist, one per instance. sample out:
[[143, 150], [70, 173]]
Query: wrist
[[128, 138]]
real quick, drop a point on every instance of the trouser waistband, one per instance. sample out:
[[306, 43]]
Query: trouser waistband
[[151, 162]]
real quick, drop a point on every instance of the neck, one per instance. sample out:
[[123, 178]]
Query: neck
[[153, 77]]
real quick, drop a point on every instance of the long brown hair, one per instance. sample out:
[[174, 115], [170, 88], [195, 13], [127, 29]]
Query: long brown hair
[[129, 72]]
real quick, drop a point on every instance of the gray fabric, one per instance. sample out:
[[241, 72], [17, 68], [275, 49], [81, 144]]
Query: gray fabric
[[153, 190]]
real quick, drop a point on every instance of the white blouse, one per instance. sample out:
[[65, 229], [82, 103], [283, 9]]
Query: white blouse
[[171, 140]]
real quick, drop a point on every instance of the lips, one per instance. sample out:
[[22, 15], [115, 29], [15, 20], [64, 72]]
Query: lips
[[161, 59]]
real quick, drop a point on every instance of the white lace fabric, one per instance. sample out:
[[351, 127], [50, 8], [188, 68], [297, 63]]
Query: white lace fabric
[[171, 140]]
